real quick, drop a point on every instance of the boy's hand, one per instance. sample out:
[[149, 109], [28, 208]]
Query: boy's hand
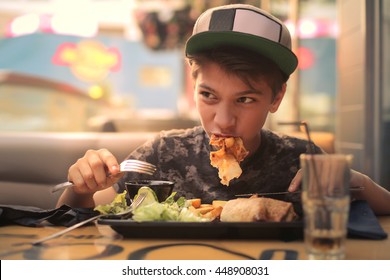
[[89, 173], [357, 180], [296, 182]]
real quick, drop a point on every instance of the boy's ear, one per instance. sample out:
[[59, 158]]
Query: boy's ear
[[278, 99]]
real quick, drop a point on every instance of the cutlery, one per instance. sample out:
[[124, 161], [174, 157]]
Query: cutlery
[[130, 165], [123, 214], [355, 188]]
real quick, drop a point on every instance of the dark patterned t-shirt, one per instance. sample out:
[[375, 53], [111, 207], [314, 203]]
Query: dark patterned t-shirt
[[183, 156]]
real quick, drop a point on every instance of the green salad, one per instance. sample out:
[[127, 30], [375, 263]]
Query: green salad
[[118, 205], [152, 210]]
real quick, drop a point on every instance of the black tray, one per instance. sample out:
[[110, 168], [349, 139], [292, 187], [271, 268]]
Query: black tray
[[206, 230]]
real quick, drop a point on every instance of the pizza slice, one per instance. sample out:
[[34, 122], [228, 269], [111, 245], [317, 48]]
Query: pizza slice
[[227, 159]]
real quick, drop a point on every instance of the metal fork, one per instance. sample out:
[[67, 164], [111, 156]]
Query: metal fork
[[123, 214], [129, 165]]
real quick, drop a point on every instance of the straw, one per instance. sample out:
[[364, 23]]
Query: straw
[[307, 131], [305, 125]]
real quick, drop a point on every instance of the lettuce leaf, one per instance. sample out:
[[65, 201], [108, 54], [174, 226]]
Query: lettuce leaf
[[168, 210], [118, 205]]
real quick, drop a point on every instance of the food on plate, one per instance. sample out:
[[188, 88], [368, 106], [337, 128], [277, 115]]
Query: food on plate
[[253, 209], [260, 209], [216, 203], [196, 202], [168, 210], [150, 196], [118, 205], [207, 211], [151, 209], [213, 214], [227, 159]]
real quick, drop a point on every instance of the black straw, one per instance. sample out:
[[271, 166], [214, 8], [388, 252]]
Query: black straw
[[310, 147], [307, 131]]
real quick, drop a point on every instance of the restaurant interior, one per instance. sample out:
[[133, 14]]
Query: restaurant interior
[[90, 71], [89, 74]]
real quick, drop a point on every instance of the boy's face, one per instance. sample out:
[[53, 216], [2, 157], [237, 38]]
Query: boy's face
[[229, 107]]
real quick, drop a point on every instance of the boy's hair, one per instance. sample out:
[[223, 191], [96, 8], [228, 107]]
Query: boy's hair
[[249, 66]]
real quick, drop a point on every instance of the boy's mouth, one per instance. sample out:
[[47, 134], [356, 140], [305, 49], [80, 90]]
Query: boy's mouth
[[224, 135]]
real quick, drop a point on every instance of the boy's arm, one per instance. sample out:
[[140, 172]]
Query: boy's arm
[[69, 197], [377, 197]]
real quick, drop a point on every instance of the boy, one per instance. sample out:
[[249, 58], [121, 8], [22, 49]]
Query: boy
[[241, 59]]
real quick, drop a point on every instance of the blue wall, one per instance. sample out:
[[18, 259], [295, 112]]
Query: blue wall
[[32, 54]]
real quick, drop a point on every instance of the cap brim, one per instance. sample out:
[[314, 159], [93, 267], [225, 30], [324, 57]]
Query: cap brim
[[282, 56]]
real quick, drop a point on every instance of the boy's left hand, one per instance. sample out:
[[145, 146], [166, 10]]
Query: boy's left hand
[[296, 182], [357, 180]]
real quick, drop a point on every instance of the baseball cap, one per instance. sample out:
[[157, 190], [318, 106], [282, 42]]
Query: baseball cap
[[244, 26]]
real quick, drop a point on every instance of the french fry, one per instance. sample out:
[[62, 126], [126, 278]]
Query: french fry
[[210, 211], [204, 209], [205, 205], [213, 214], [196, 202], [217, 203]]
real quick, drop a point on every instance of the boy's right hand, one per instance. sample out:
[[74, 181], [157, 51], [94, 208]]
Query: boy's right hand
[[89, 173]]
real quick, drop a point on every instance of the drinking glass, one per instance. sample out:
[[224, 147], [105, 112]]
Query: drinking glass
[[325, 201]]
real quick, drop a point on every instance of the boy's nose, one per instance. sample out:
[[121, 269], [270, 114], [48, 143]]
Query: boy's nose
[[224, 118]]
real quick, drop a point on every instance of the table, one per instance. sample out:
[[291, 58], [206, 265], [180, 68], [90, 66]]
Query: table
[[100, 242]]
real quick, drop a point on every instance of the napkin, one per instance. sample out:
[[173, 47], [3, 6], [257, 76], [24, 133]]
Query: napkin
[[34, 217], [362, 222]]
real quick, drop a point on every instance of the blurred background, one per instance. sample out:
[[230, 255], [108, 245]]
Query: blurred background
[[118, 66], [81, 65]]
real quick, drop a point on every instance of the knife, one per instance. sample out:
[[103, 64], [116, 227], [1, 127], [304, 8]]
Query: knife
[[265, 193], [354, 188]]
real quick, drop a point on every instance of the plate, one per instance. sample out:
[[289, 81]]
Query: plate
[[206, 230]]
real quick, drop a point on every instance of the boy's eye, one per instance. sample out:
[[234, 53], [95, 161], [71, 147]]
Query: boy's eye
[[207, 94], [245, 99]]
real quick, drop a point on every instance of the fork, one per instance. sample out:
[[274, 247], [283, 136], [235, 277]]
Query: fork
[[129, 165], [123, 214]]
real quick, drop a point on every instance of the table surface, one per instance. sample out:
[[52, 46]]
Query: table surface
[[96, 241]]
